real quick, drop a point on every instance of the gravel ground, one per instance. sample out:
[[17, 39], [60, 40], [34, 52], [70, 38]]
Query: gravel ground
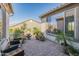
[[47, 48]]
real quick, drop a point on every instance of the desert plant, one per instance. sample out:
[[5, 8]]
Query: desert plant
[[41, 36], [38, 34], [28, 36]]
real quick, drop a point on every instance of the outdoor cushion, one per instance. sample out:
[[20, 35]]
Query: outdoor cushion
[[16, 52], [10, 49]]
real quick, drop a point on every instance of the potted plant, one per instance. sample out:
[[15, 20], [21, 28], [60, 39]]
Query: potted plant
[[28, 36]]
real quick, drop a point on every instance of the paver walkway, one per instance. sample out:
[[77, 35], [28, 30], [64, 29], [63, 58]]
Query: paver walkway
[[38, 48]]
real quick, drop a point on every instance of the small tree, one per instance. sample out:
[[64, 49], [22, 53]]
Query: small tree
[[11, 33], [23, 28], [17, 33], [10, 30]]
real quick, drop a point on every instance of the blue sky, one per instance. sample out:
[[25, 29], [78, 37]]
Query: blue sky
[[25, 11]]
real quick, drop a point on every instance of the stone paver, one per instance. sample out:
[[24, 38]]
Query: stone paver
[[38, 48]]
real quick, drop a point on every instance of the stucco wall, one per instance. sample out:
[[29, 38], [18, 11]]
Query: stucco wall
[[44, 27], [70, 12], [30, 24], [44, 24]]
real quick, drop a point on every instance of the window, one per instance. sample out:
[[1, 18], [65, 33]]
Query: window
[[71, 26], [48, 19], [43, 20]]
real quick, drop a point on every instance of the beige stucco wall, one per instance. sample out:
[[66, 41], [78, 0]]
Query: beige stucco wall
[[30, 24], [44, 27], [69, 12], [44, 24]]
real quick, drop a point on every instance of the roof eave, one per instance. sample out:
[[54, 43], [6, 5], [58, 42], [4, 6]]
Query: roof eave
[[8, 8], [43, 15]]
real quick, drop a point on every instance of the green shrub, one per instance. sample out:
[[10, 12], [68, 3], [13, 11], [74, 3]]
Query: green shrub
[[69, 48], [71, 51], [60, 37], [18, 33], [56, 31]]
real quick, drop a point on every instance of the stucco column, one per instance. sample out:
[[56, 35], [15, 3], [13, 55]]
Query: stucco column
[[64, 21], [4, 29], [76, 22], [7, 26]]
